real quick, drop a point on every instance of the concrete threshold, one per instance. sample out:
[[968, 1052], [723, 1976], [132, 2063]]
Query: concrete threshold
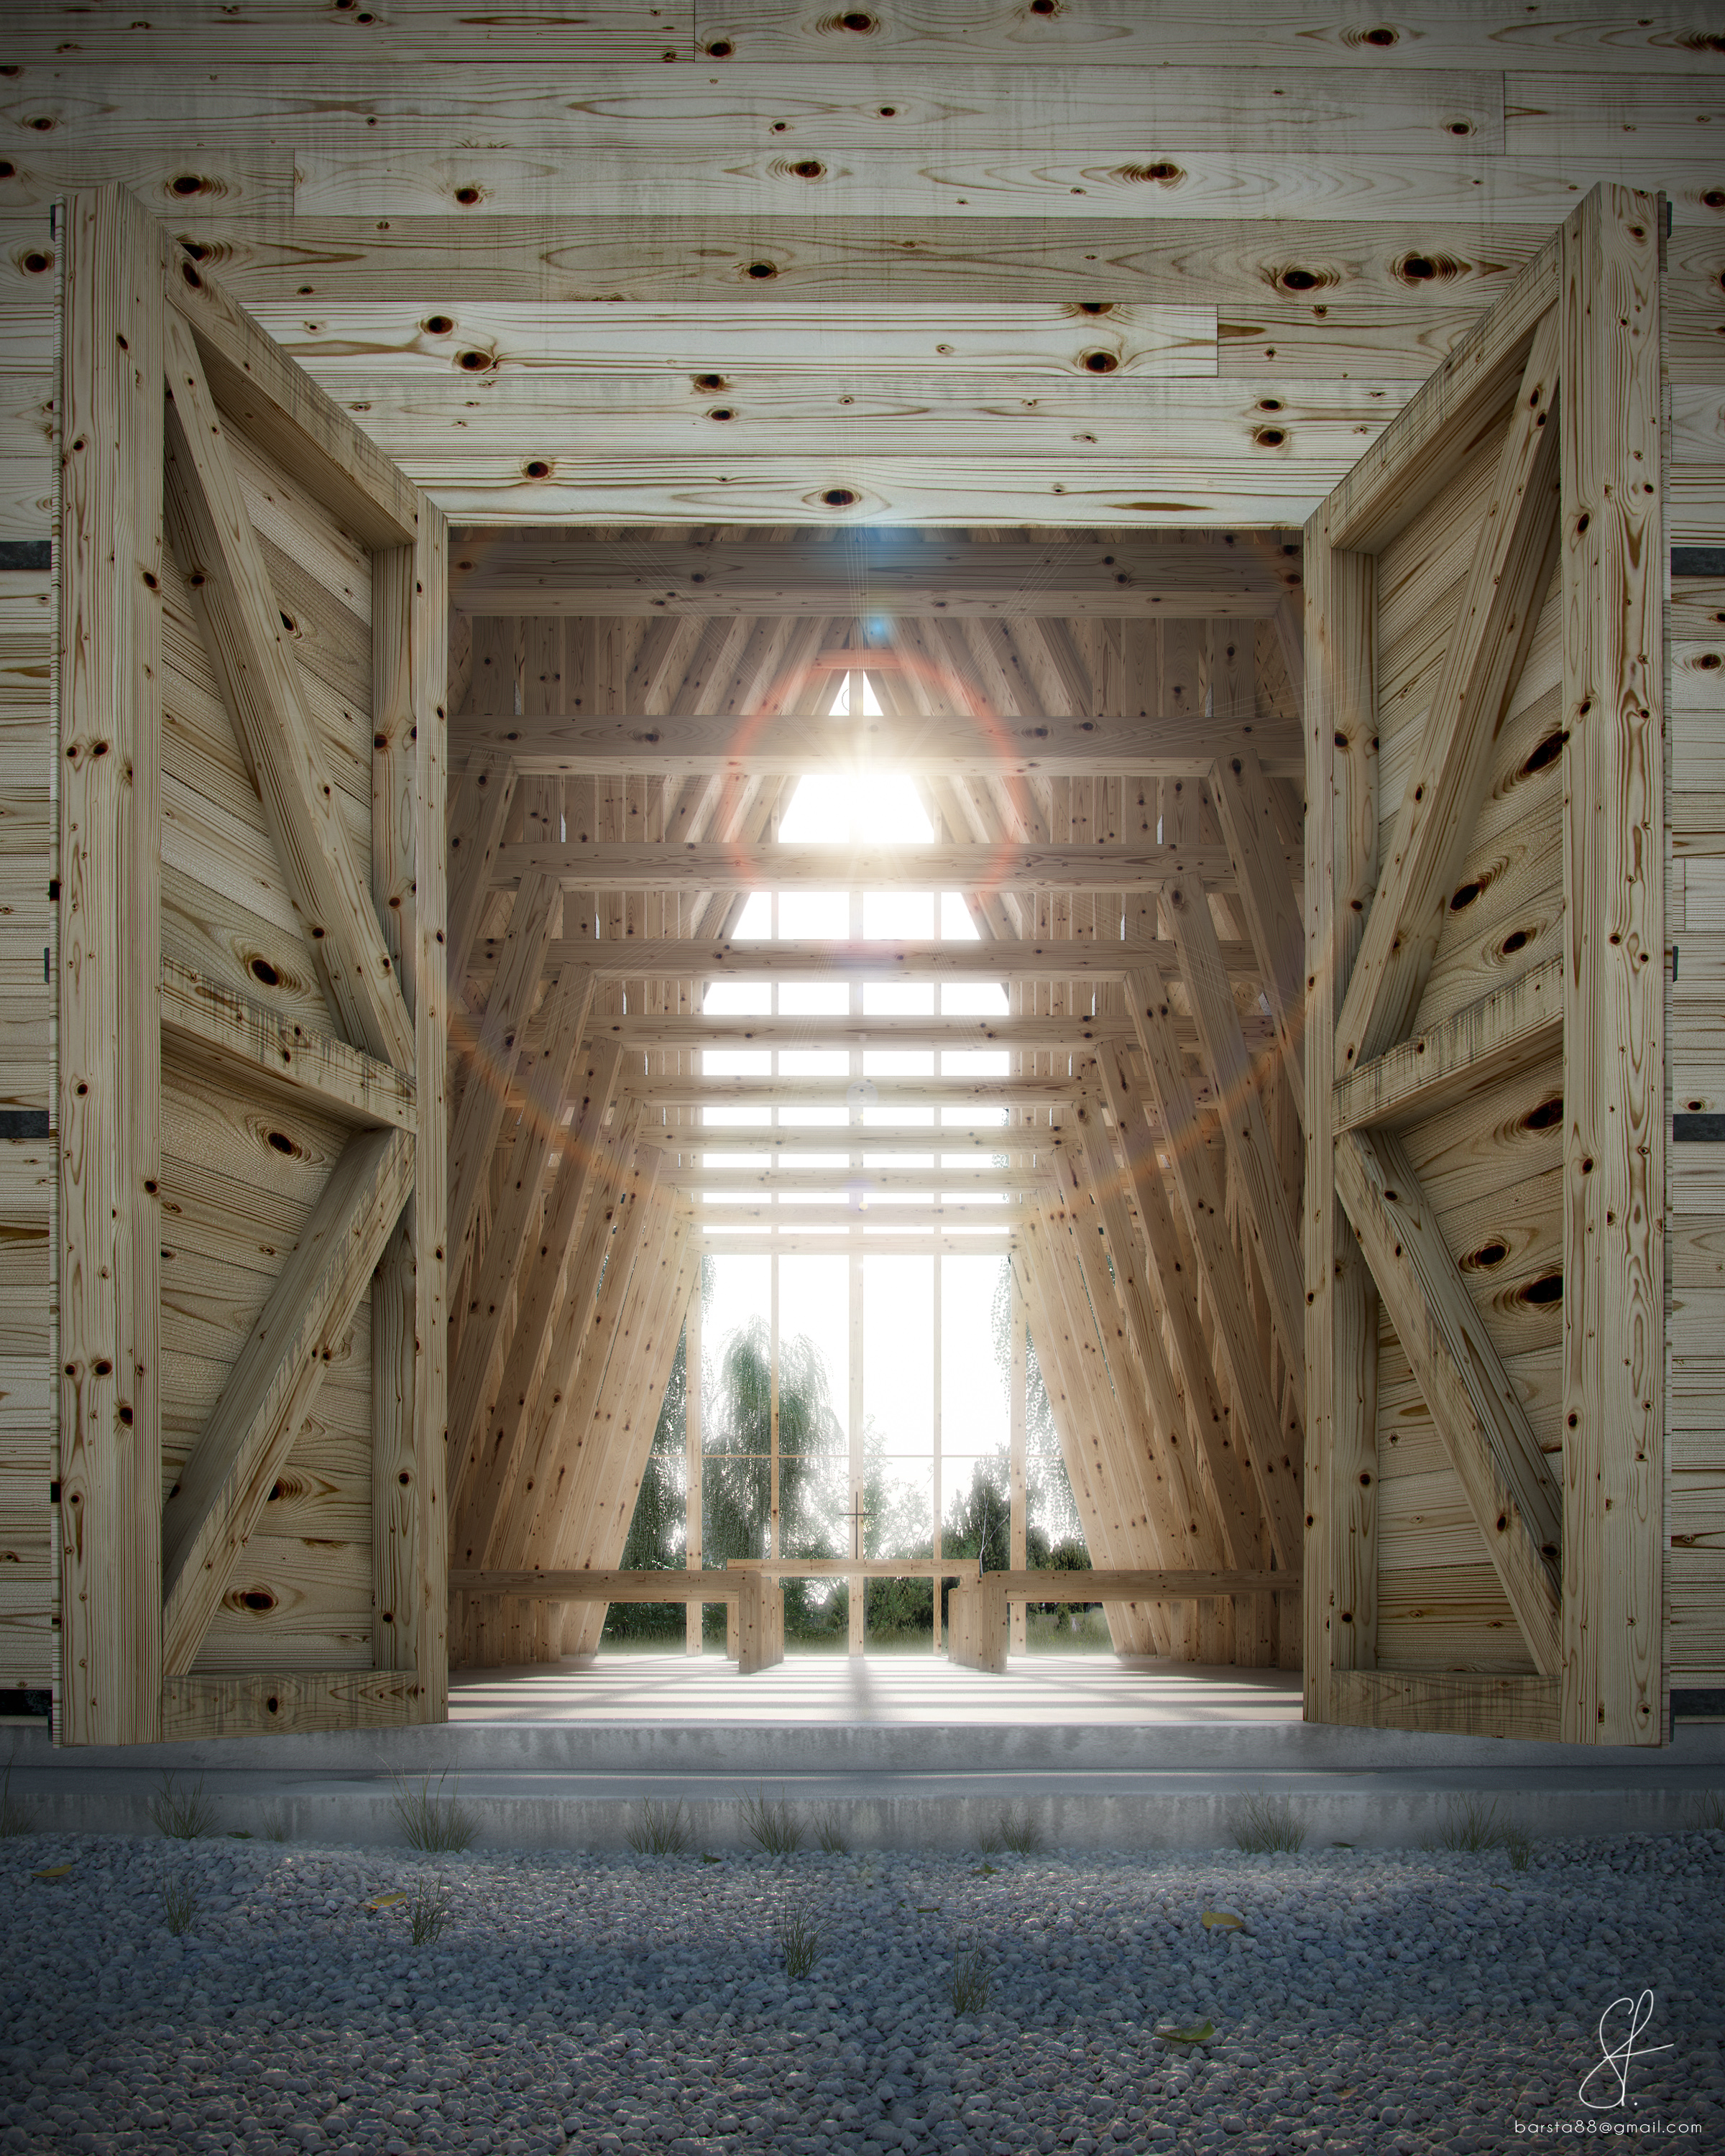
[[559, 1785]]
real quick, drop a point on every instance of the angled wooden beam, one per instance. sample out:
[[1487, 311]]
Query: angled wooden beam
[[499, 1367], [212, 534], [1513, 1026], [1613, 974], [226, 1481], [1513, 564], [1225, 1504], [478, 813], [1250, 1463], [561, 1075], [631, 867], [1265, 894], [107, 1275], [492, 1067], [227, 1034], [1257, 1413], [1245, 1132], [1474, 1406]]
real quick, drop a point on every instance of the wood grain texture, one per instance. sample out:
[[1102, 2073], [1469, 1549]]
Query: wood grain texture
[[272, 1385], [1479, 1415], [1459, 1703], [249, 1704], [214, 535], [1512, 566], [228, 1034], [1513, 1027], [109, 1064], [1340, 1467], [1614, 859]]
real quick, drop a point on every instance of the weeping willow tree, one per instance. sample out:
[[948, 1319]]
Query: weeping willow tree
[[737, 1473], [736, 1466]]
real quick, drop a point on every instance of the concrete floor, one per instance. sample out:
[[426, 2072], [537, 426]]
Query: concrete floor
[[1037, 1691]]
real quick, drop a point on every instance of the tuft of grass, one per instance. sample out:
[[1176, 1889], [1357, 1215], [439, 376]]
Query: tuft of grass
[[275, 1825], [1469, 1825], [182, 1814], [659, 1830], [429, 1820], [989, 1842], [1519, 1843], [1264, 1825], [15, 1818], [772, 1824], [428, 1911], [970, 1982], [802, 1935], [1709, 1815], [1020, 1832], [179, 1903], [829, 1831]]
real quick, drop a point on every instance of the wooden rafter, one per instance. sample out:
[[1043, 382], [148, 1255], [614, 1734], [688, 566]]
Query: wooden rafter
[[752, 867], [1245, 1132]]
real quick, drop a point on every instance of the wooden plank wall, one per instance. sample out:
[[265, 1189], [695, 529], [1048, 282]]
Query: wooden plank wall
[[716, 252]]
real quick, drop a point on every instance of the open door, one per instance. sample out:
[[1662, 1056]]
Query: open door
[[1484, 1067], [250, 1115]]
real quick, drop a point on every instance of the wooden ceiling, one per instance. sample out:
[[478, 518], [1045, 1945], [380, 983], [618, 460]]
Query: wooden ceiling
[[927, 261]]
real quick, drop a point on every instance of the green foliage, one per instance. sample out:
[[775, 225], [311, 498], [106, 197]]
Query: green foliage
[[15, 1818], [1709, 1817], [1470, 1824], [829, 1831], [1019, 1831], [429, 1820], [772, 1824], [428, 1911], [970, 1982], [1519, 1843], [180, 1814], [1266, 1824], [179, 1903], [659, 1830], [801, 1936]]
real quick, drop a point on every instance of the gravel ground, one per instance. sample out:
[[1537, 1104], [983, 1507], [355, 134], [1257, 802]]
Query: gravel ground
[[1400, 2000]]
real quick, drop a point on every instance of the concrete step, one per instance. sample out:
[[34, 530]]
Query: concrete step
[[582, 1786]]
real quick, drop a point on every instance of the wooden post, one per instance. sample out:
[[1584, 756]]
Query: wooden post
[[108, 1099], [693, 1499], [936, 1499], [1018, 1383], [409, 1298], [855, 1586], [1614, 972], [773, 1414], [1340, 1558]]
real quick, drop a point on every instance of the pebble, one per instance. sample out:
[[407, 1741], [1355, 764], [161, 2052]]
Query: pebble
[[1400, 2000]]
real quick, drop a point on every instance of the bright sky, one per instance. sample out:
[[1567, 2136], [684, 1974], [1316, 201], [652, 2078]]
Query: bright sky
[[898, 1291]]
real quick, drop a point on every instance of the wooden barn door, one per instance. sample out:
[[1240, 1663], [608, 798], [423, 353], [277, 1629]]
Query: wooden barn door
[[1483, 1225], [249, 1060]]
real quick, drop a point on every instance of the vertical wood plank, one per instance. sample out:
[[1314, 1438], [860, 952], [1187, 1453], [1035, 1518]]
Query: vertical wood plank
[[410, 1299], [1341, 1559], [1614, 929], [110, 1073]]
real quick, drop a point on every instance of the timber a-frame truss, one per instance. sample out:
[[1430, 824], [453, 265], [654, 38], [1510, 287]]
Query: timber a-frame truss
[[1112, 797], [251, 1027], [1485, 1118]]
